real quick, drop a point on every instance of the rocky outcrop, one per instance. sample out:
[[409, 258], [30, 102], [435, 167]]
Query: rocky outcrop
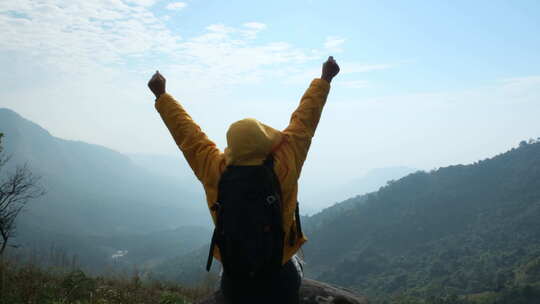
[[311, 292]]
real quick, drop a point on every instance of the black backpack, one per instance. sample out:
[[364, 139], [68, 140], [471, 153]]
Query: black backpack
[[249, 231]]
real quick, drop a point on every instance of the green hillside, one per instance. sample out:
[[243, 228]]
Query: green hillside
[[460, 230]]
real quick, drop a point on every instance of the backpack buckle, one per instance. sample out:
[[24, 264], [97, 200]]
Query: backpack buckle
[[216, 206], [271, 199]]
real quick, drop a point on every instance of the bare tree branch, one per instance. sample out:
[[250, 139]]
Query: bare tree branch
[[16, 190]]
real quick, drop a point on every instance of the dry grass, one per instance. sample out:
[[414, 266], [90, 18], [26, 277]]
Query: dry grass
[[28, 283]]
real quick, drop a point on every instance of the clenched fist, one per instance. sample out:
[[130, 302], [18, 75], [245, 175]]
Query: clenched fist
[[329, 69], [157, 84]]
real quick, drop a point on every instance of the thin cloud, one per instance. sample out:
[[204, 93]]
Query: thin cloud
[[354, 84], [359, 67], [333, 44], [519, 90], [255, 25], [174, 6], [146, 3], [298, 75], [251, 29], [92, 37], [83, 33]]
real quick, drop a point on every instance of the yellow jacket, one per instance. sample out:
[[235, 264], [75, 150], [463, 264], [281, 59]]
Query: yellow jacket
[[249, 142]]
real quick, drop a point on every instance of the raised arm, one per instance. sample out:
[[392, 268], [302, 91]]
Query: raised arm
[[306, 117], [200, 152]]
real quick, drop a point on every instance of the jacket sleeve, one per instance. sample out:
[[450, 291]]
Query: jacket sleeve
[[305, 119], [200, 152]]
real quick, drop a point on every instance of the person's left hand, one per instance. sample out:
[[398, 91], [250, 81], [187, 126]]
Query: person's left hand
[[329, 69], [157, 84]]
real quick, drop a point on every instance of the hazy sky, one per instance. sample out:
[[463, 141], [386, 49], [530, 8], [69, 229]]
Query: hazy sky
[[424, 84]]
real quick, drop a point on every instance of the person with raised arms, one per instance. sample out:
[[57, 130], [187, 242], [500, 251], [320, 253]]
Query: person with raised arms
[[251, 190]]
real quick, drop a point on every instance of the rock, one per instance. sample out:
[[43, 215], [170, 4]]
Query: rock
[[311, 292]]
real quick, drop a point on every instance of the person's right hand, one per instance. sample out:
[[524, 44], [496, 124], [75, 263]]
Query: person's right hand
[[157, 84], [329, 69]]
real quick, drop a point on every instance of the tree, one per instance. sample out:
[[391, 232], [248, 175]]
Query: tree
[[17, 188]]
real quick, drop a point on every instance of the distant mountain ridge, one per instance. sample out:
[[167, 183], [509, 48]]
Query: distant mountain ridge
[[314, 199], [94, 190]]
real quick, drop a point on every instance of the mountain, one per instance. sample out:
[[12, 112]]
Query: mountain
[[188, 269], [313, 199], [93, 190], [99, 254], [101, 207], [173, 167], [464, 229]]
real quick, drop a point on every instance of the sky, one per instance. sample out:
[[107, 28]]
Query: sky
[[423, 84]]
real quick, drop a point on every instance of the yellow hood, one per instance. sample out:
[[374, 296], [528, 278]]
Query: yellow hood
[[249, 142]]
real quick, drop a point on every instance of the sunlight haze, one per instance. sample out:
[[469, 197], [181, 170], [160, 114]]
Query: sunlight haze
[[423, 84]]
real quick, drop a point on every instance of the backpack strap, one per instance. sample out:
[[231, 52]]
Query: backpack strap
[[211, 252], [216, 208], [278, 212], [269, 162], [298, 224], [295, 235]]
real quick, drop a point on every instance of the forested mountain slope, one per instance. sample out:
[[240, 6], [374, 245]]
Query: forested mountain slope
[[93, 190], [462, 229]]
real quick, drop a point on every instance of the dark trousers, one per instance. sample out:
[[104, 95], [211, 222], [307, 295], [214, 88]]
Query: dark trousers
[[281, 287]]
